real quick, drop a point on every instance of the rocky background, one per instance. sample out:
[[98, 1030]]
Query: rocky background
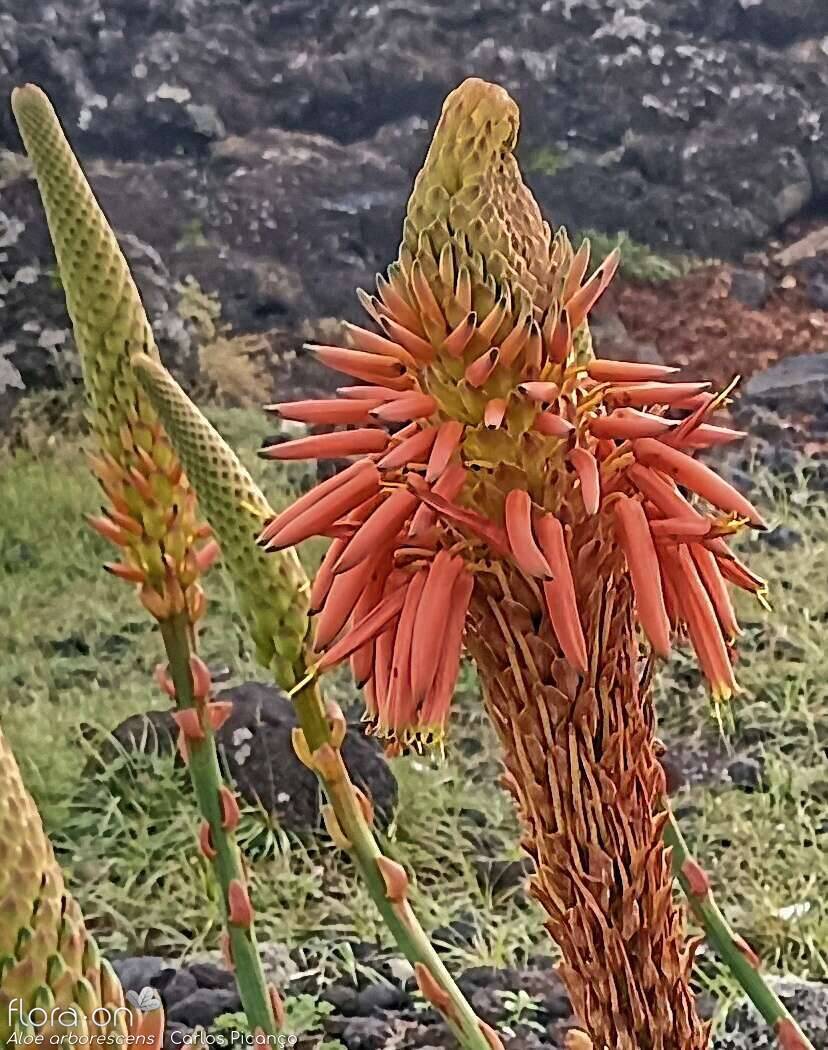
[[267, 150]]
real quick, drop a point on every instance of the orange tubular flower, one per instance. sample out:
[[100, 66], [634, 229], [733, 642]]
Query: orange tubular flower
[[540, 507]]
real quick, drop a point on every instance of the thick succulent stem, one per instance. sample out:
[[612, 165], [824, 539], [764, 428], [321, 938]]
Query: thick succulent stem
[[212, 793], [734, 952], [348, 821], [581, 763]]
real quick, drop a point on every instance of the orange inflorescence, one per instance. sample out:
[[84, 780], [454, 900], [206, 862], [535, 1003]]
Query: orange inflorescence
[[513, 436], [151, 516]]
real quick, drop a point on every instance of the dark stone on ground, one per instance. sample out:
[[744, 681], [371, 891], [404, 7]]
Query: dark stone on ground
[[381, 997], [500, 876], [344, 997], [257, 751], [208, 975], [816, 290], [795, 383], [460, 932], [376, 1015], [747, 773], [750, 287], [806, 1000], [366, 1033], [138, 972], [783, 409], [782, 538], [203, 1006], [176, 1035], [182, 985]]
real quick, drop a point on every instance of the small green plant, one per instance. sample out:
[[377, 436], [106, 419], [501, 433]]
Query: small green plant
[[304, 1014], [192, 235], [520, 1008], [547, 160]]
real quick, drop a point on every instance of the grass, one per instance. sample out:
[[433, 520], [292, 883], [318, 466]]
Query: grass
[[76, 650], [638, 261]]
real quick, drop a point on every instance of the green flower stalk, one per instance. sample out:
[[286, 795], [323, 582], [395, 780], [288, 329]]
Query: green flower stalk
[[150, 513], [731, 948], [237, 511], [53, 981]]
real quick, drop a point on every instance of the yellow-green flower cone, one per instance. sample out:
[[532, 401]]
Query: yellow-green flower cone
[[272, 589], [47, 957], [108, 318]]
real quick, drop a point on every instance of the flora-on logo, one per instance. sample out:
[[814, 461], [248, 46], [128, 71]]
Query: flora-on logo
[[146, 1000]]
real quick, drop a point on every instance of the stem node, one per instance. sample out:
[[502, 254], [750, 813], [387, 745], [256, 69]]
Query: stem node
[[395, 878], [230, 813], [205, 841], [189, 722], [239, 908], [365, 804], [336, 722], [328, 763], [334, 828], [431, 989], [300, 746]]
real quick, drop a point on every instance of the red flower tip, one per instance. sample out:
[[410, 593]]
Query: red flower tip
[[208, 555]]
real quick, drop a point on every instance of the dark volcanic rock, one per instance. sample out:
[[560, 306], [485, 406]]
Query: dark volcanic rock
[[257, 750], [795, 384], [203, 1006], [376, 1014], [807, 1001], [268, 149], [137, 972], [750, 287], [779, 22]]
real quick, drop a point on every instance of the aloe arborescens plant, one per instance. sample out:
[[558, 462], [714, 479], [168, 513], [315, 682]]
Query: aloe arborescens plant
[[547, 506], [540, 505]]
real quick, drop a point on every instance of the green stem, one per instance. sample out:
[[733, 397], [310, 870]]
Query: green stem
[[729, 946], [365, 852], [206, 778]]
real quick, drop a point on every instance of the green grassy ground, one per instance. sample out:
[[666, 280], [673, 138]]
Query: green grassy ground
[[75, 649]]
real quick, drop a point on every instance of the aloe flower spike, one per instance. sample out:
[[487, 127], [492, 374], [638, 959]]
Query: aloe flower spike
[[151, 511], [53, 982], [274, 595], [565, 534]]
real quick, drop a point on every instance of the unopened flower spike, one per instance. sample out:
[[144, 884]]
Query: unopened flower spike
[[48, 958], [273, 592], [546, 510], [148, 499]]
